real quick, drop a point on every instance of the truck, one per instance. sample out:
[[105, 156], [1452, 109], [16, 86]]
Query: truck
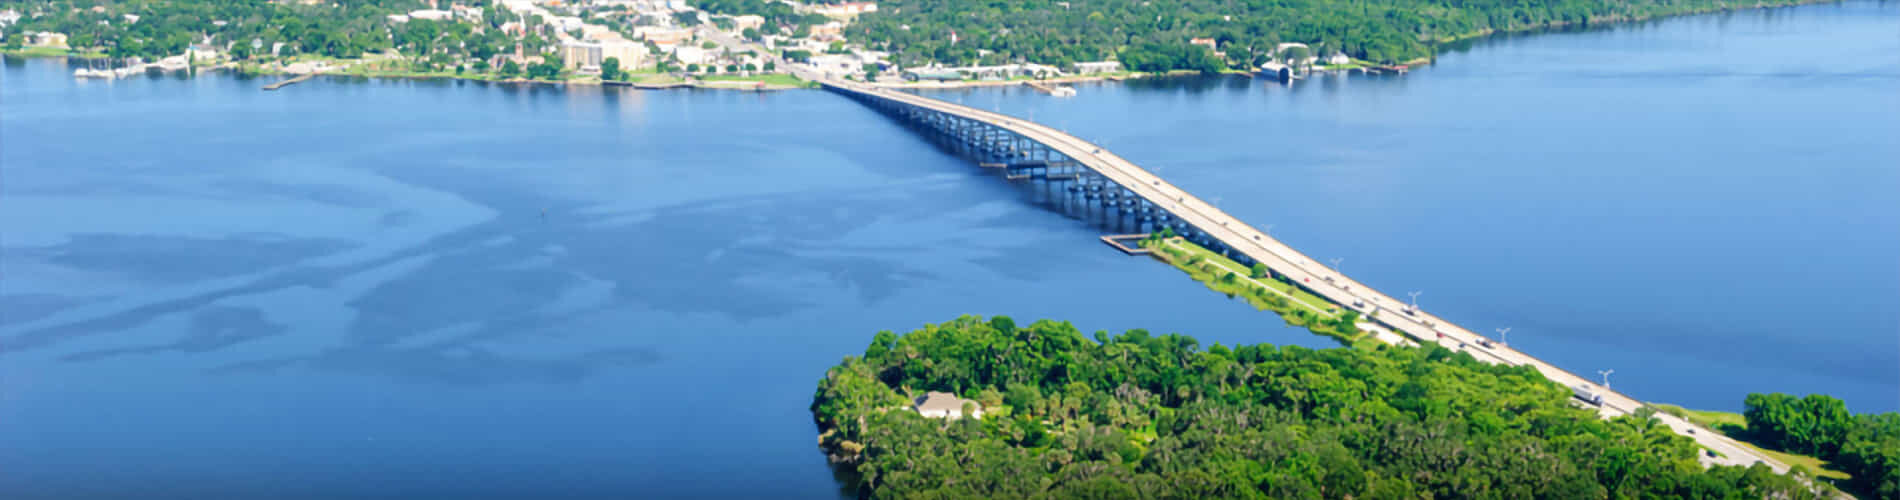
[[1588, 395]]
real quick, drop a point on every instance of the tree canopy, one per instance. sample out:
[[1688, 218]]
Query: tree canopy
[[1866, 447], [1155, 35], [1140, 415]]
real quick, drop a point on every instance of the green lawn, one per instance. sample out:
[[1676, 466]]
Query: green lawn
[[1734, 426], [1295, 305], [769, 79], [53, 52]]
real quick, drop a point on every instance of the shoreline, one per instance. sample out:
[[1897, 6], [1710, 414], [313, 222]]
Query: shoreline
[[761, 85]]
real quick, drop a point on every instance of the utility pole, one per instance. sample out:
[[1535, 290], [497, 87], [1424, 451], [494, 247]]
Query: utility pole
[[1606, 377], [1504, 335]]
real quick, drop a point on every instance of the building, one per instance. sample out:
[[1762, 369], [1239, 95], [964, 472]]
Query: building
[[1089, 68], [945, 405], [740, 23], [688, 54], [201, 52], [568, 23], [431, 15], [1337, 59], [1210, 43], [586, 57], [130, 18], [846, 9], [470, 14], [830, 30], [9, 16], [49, 39], [398, 18], [663, 36]]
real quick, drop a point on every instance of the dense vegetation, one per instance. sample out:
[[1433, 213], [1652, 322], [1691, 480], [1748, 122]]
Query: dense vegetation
[[1137, 415], [1865, 446], [341, 29], [1151, 35]]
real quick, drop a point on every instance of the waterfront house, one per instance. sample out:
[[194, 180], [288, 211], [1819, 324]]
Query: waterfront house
[[1089, 68], [49, 39], [1210, 43], [945, 405]]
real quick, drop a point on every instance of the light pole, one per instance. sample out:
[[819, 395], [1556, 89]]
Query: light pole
[[1504, 335], [1606, 377], [1336, 261], [1415, 299]]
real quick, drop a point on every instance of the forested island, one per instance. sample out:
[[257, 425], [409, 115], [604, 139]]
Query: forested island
[[1054, 414]]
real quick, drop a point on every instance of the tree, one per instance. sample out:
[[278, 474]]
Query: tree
[[751, 34], [610, 69], [510, 68], [771, 66], [1259, 270]]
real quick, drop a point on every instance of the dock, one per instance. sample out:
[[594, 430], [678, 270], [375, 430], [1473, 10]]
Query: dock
[[291, 81], [1122, 241], [1054, 90]]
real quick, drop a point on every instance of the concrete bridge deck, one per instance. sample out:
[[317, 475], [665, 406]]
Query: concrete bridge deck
[[1257, 246]]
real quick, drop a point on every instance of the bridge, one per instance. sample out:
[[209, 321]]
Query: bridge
[[1087, 181]]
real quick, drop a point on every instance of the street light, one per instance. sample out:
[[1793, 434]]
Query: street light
[[1336, 261], [1415, 299], [1504, 335], [1606, 377]]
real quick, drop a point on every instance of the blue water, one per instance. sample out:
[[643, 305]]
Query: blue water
[[395, 289]]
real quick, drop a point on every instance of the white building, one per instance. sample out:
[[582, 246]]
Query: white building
[[1338, 58], [846, 9], [9, 16], [398, 18], [688, 54], [1087, 68], [431, 15], [945, 405]]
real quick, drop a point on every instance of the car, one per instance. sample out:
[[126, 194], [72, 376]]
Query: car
[[1692, 430]]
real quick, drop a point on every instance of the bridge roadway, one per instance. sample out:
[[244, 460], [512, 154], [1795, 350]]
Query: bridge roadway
[[1257, 245]]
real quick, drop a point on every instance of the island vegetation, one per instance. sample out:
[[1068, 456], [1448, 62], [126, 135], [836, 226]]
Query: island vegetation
[[1137, 415], [1156, 36], [1860, 453]]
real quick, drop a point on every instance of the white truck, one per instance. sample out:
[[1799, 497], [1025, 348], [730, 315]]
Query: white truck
[[1588, 395]]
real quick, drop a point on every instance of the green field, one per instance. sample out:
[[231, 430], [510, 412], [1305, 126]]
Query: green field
[[53, 52], [1221, 274], [1734, 426], [776, 79]]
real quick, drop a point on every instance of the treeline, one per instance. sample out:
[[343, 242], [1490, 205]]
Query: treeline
[[778, 15], [167, 27], [1866, 447], [1142, 416], [1156, 34]]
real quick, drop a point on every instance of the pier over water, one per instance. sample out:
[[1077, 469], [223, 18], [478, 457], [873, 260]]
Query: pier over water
[[1088, 181]]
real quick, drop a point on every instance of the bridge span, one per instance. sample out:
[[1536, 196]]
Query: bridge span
[[1110, 190]]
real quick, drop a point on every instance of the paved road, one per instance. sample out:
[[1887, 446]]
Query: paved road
[[1257, 245]]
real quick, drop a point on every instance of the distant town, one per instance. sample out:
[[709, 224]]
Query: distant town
[[646, 43]]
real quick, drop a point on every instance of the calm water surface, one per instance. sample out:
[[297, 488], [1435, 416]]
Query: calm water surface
[[401, 289]]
